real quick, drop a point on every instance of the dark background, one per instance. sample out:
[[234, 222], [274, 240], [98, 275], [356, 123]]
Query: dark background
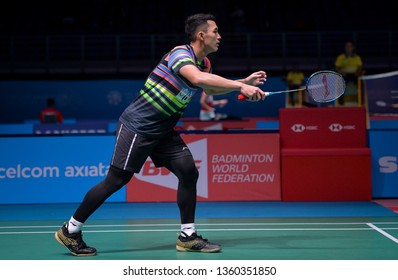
[[143, 17], [40, 42]]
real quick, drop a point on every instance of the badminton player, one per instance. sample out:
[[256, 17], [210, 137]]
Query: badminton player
[[146, 129]]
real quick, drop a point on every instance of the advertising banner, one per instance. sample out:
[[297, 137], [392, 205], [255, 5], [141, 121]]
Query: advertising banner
[[232, 167], [57, 169], [381, 92], [61, 169], [329, 127], [384, 163]]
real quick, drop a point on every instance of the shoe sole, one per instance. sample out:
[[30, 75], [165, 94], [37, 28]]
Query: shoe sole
[[183, 249], [75, 254]]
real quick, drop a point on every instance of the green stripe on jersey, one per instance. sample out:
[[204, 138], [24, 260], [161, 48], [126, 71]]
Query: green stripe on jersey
[[181, 61], [154, 103], [165, 92]]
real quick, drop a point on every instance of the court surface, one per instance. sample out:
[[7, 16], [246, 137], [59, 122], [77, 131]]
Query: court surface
[[246, 230]]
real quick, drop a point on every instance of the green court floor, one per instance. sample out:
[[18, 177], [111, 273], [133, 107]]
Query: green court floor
[[265, 238]]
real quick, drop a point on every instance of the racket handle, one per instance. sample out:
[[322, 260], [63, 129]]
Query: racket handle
[[243, 97]]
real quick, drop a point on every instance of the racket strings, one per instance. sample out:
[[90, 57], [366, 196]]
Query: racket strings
[[325, 86]]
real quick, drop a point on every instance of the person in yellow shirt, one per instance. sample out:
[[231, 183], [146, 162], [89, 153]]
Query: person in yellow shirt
[[349, 64], [295, 80]]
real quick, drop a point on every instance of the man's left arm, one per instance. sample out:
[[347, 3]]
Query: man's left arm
[[254, 79]]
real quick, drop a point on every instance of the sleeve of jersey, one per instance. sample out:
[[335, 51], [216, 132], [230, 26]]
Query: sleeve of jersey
[[207, 65], [179, 58]]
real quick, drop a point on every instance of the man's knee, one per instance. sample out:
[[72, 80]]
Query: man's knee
[[194, 173], [118, 177], [185, 169]]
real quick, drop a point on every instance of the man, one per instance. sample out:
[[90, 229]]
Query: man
[[349, 63], [50, 114], [207, 107], [295, 80], [146, 129]]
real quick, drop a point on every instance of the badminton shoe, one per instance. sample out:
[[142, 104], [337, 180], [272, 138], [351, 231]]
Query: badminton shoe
[[74, 242], [195, 243]]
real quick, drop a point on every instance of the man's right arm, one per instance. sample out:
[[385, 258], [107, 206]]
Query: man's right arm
[[214, 84]]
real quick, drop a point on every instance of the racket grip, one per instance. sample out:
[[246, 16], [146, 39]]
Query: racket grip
[[241, 97]]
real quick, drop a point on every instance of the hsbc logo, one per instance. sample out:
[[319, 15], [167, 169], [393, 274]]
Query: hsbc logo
[[337, 127], [298, 127], [164, 178]]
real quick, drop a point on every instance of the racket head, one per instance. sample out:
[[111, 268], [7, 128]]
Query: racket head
[[325, 86]]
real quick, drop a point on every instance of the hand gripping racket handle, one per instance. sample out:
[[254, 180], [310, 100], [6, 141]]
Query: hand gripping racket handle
[[268, 93], [243, 97], [322, 86]]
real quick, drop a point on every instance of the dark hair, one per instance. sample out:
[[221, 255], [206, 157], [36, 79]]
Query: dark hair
[[192, 23]]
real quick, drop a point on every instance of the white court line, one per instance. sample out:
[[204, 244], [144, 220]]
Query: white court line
[[389, 236], [86, 226], [199, 224], [219, 229]]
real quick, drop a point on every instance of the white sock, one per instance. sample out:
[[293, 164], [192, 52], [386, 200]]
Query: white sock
[[74, 225], [188, 229]]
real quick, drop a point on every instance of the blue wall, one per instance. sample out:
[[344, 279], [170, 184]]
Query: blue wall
[[106, 99]]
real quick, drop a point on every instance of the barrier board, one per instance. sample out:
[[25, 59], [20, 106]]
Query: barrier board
[[232, 167]]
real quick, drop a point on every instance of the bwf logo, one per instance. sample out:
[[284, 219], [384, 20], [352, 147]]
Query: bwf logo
[[163, 177]]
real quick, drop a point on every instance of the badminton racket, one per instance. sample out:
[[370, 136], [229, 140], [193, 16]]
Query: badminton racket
[[322, 86]]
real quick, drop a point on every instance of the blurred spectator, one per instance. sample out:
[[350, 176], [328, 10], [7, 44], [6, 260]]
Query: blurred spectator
[[207, 108], [238, 19], [349, 64], [50, 114], [295, 80]]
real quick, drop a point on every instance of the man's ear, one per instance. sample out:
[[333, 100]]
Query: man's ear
[[201, 35]]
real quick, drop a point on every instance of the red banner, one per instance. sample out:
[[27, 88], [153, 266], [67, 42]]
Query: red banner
[[232, 167], [328, 127], [324, 154]]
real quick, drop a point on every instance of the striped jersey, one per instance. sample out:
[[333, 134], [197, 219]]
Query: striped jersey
[[165, 94]]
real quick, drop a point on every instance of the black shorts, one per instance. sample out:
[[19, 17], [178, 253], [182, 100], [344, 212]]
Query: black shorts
[[132, 150]]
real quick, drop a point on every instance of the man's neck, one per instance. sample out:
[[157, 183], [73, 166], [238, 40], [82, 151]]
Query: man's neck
[[198, 50]]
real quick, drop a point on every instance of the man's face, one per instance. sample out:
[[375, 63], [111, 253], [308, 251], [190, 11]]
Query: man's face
[[211, 37], [349, 48]]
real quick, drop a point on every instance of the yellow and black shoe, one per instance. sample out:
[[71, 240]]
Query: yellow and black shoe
[[74, 242], [195, 243]]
